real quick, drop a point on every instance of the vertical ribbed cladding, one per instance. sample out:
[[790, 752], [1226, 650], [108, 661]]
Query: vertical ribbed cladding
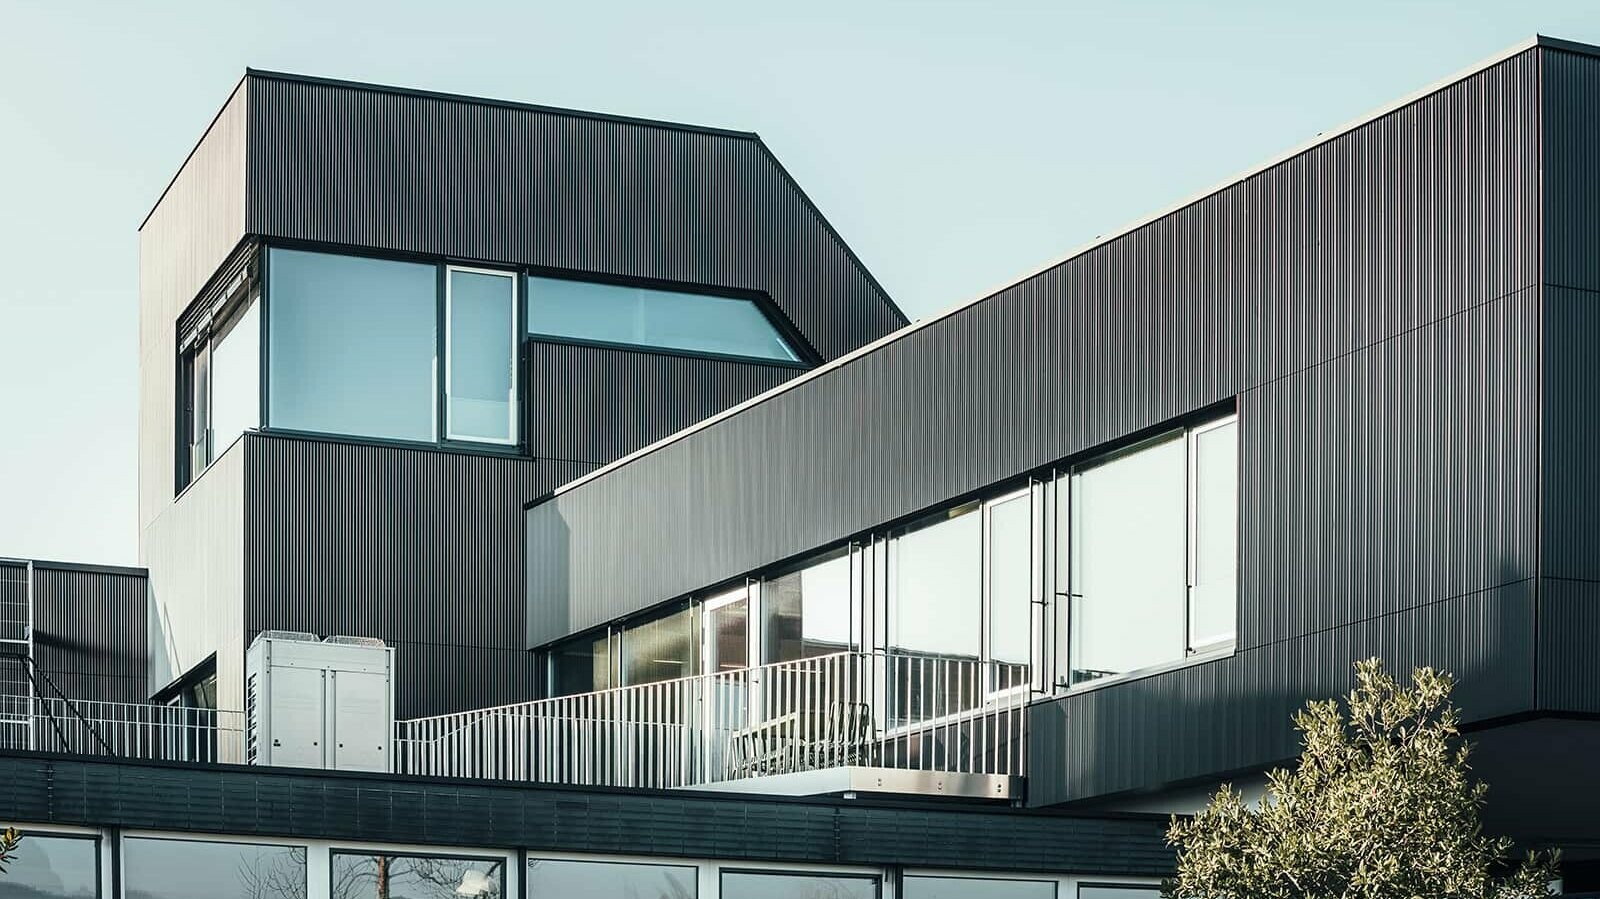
[[89, 630], [418, 547], [1569, 593], [596, 404], [396, 170], [1371, 305]]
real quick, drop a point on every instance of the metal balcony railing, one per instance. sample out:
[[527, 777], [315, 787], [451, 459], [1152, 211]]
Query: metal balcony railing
[[868, 709], [123, 729]]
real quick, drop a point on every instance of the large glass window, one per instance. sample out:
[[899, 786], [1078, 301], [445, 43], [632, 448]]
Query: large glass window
[[1118, 891], [370, 876], [727, 629], [776, 885], [808, 612], [352, 343], [920, 887], [552, 879], [637, 316], [661, 649], [936, 584], [1152, 553], [236, 378], [481, 371], [196, 869], [583, 665], [53, 867]]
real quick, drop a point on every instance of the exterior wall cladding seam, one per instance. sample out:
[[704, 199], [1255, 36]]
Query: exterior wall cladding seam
[[1373, 304]]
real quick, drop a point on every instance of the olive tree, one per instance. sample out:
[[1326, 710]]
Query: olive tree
[[1381, 805]]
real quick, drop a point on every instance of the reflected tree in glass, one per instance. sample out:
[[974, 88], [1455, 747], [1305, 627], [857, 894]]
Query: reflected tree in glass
[[415, 877]]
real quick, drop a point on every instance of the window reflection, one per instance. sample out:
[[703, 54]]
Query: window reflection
[[613, 313], [481, 391], [549, 879], [935, 585], [195, 869], [919, 887], [808, 611], [762, 885], [661, 649], [1115, 891], [364, 876], [583, 665], [52, 867]]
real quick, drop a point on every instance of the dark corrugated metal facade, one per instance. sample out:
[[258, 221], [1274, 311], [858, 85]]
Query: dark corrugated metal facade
[[422, 173], [330, 805], [1373, 305], [1569, 594], [89, 624], [422, 547]]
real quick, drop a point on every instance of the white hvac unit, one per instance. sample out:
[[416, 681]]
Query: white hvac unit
[[313, 703]]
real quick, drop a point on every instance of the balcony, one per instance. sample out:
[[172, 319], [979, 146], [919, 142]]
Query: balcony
[[844, 724]]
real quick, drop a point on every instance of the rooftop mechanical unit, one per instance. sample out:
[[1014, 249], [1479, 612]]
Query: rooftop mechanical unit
[[313, 703]]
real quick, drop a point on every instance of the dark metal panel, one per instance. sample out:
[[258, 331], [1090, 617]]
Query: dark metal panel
[[283, 802], [595, 404], [1571, 131], [1235, 714], [381, 168], [1569, 631], [89, 631], [1422, 216], [419, 547]]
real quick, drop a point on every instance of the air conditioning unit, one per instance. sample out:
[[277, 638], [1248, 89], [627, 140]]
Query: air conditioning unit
[[313, 703]]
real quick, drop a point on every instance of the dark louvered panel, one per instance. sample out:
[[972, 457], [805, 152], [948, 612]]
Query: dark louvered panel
[[1425, 215], [413, 546], [1572, 179], [89, 630], [395, 170], [595, 404], [329, 805]]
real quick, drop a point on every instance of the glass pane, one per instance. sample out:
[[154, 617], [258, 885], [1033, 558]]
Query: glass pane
[[482, 350], [549, 879], [351, 343], [613, 313], [51, 867], [808, 611], [1118, 892], [236, 379], [935, 579], [199, 409], [1010, 581], [728, 636], [1214, 598], [580, 666], [663, 649], [742, 885], [192, 869], [415, 877], [1129, 561], [977, 888]]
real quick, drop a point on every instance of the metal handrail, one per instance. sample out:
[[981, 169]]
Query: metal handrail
[[136, 730], [882, 709]]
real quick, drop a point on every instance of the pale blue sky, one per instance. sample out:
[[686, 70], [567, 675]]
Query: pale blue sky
[[954, 145]]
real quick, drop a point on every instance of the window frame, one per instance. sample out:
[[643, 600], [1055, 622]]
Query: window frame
[[96, 838], [805, 356], [334, 850], [446, 434], [122, 838]]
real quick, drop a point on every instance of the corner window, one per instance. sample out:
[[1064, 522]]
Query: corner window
[[1152, 553], [352, 343], [220, 388], [660, 319]]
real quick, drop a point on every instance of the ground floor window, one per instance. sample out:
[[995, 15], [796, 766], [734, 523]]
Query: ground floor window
[[565, 879], [161, 868], [792, 885], [363, 875], [48, 866]]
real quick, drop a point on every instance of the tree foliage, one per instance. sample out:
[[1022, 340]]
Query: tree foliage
[[1380, 806], [9, 840]]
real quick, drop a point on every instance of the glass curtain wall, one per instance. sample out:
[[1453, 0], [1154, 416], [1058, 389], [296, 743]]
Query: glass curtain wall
[[663, 648], [809, 611]]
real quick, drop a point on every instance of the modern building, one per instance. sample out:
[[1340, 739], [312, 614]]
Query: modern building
[[699, 572]]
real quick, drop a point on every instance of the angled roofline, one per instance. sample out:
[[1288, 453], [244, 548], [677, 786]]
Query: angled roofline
[[753, 137], [1517, 49]]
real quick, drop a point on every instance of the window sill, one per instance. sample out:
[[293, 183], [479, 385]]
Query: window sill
[[1210, 655]]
